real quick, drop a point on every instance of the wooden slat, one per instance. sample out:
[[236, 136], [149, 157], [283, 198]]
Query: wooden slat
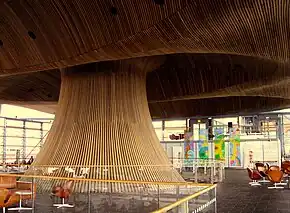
[[103, 123]]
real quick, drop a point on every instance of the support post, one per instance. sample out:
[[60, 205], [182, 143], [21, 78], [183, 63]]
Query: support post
[[24, 145], [4, 140], [41, 134]]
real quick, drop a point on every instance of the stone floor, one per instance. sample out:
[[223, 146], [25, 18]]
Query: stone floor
[[236, 196]]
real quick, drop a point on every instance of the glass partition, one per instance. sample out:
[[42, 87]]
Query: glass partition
[[41, 193], [174, 130]]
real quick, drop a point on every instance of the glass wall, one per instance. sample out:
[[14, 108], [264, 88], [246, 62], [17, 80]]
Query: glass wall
[[174, 130], [20, 138], [158, 129], [230, 139]]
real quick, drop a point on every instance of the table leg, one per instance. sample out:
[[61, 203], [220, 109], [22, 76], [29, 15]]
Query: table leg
[[20, 201]]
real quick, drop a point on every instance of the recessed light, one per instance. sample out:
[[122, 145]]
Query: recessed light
[[114, 11], [32, 35], [159, 2]]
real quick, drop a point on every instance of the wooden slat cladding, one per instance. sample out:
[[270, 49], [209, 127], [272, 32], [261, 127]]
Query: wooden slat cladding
[[197, 76], [74, 32], [103, 123], [231, 105], [180, 77], [67, 33]]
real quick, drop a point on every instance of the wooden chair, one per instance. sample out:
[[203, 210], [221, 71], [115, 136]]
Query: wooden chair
[[7, 182], [23, 191], [6, 199], [275, 176], [63, 192], [254, 175], [9, 197]]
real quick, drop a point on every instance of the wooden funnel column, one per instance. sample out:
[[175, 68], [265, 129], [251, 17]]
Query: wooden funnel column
[[103, 125]]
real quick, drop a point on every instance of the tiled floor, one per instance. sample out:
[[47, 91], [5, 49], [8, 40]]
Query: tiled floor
[[236, 196]]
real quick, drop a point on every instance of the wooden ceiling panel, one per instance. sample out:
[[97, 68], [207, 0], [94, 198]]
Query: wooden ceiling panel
[[214, 49]]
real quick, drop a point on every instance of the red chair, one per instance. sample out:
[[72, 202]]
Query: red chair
[[285, 167], [254, 176], [63, 192], [261, 168]]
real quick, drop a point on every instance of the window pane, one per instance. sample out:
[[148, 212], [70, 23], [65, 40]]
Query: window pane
[[174, 128]]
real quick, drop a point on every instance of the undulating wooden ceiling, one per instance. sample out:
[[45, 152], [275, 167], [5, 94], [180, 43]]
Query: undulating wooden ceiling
[[221, 56]]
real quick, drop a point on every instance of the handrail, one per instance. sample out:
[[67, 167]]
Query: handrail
[[136, 165], [177, 203], [107, 181], [158, 165]]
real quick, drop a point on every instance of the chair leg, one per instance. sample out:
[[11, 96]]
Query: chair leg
[[282, 183], [264, 180], [275, 186], [255, 183], [63, 204]]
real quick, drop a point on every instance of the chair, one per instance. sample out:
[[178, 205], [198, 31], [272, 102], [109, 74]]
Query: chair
[[277, 168], [274, 168], [263, 172], [267, 166], [22, 192], [63, 192], [6, 199], [10, 197], [275, 176], [254, 176], [7, 182], [285, 166]]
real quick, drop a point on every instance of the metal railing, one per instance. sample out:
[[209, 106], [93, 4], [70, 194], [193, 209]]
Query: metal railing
[[201, 170], [121, 195], [194, 203]]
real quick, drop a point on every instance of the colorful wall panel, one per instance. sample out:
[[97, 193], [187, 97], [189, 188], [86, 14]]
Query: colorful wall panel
[[234, 149], [188, 149], [219, 144], [203, 144]]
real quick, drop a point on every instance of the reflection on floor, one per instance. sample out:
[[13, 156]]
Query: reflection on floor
[[235, 195]]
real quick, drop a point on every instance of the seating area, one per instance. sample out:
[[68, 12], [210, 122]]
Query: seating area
[[274, 177], [41, 194], [13, 192]]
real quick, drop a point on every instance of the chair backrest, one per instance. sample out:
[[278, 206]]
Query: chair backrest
[[68, 185], [275, 176], [272, 168], [3, 196], [8, 182], [267, 166], [63, 191], [261, 167], [259, 164], [285, 165], [250, 172]]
